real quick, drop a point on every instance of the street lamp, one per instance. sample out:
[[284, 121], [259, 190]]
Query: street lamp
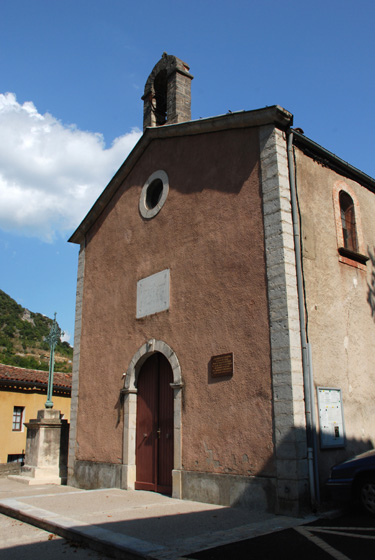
[[52, 339]]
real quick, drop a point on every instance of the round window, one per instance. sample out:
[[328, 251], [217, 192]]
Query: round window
[[154, 194]]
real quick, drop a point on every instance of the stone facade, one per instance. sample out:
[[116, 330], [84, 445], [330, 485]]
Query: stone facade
[[200, 322], [229, 230]]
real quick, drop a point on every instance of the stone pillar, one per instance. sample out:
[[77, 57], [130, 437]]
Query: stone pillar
[[46, 449], [179, 97], [286, 353], [76, 357]]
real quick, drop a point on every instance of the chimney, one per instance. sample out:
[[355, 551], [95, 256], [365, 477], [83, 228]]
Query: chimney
[[167, 95]]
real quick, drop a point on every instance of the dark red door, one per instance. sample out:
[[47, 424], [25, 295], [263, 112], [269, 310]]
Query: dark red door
[[154, 440]]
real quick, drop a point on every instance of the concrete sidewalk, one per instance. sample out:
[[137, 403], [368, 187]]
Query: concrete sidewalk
[[134, 524]]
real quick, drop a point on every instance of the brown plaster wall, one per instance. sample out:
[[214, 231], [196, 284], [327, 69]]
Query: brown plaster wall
[[341, 325], [210, 235]]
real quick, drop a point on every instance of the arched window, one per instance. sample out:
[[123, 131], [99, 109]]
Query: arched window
[[348, 222], [160, 99], [350, 244]]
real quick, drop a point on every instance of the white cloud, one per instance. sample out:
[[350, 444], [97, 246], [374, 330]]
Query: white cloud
[[65, 337], [50, 173]]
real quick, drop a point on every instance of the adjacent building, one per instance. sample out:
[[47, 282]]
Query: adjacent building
[[225, 310], [22, 393]]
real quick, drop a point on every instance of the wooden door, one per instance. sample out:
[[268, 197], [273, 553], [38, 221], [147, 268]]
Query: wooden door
[[154, 438]]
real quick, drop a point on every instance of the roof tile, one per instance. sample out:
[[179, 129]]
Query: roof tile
[[17, 374]]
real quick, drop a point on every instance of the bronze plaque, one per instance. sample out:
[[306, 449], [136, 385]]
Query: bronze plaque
[[222, 365]]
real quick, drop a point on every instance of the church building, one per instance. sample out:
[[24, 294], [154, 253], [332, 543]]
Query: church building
[[225, 314]]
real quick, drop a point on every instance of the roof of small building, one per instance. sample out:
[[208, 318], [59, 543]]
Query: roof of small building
[[14, 375]]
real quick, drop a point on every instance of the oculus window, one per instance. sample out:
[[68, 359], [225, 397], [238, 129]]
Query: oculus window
[[154, 194]]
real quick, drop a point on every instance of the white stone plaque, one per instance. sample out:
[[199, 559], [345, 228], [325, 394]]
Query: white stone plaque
[[153, 294]]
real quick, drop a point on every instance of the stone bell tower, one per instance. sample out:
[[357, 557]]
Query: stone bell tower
[[167, 95]]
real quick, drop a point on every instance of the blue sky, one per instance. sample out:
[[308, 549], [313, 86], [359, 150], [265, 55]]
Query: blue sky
[[72, 75]]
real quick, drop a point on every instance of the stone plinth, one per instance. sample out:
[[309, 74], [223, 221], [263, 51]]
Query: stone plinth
[[46, 449]]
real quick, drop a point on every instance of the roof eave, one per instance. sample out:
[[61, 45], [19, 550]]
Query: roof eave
[[330, 159], [30, 384]]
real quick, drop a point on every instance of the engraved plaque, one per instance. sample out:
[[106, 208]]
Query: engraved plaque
[[153, 294], [222, 365]]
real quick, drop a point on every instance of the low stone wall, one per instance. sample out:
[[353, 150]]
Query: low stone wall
[[253, 493], [90, 475], [9, 468]]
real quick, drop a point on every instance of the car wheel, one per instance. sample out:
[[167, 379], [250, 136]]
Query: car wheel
[[367, 494]]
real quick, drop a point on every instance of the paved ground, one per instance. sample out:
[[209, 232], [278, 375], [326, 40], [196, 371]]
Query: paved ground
[[350, 536], [20, 541], [133, 524]]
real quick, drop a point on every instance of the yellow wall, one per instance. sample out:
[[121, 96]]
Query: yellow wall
[[15, 442]]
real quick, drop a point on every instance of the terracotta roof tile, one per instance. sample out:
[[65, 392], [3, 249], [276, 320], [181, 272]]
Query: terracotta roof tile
[[17, 374]]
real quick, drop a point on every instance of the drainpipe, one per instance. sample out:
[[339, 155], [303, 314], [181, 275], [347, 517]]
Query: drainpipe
[[306, 354], [313, 422]]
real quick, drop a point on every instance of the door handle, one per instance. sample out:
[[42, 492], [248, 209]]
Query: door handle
[[158, 431]]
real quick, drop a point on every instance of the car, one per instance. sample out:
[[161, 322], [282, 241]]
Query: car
[[354, 480]]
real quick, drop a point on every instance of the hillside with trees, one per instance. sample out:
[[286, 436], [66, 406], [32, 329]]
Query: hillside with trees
[[23, 338]]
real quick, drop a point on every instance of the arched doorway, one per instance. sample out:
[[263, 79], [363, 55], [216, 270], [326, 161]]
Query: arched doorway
[[154, 431]]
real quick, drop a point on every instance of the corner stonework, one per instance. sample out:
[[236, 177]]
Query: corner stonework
[[75, 377], [285, 335]]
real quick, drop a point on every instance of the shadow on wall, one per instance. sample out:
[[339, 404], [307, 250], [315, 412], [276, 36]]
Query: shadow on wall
[[371, 286], [288, 471]]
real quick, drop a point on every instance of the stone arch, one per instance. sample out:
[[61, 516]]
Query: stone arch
[[130, 412], [167, 97]]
